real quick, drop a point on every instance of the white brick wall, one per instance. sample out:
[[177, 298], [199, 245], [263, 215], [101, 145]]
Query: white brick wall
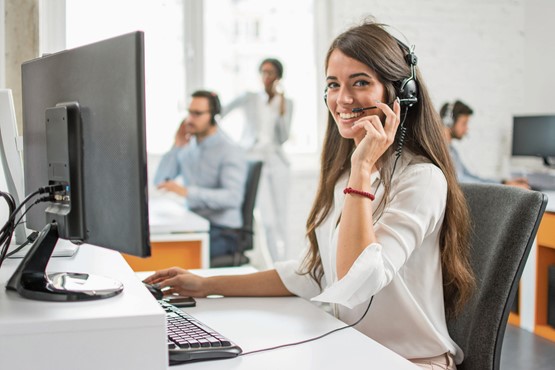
[[496, 55], [471, 50]]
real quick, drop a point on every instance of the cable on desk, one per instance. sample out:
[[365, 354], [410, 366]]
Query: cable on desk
[[314, 338], [8, 229]]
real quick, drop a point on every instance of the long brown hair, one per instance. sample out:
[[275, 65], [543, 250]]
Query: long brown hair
[[372, 45]]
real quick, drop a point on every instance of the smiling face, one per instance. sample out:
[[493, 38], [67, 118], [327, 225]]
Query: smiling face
[[351, 84]]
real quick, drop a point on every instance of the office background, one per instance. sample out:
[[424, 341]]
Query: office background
[[495, 55]]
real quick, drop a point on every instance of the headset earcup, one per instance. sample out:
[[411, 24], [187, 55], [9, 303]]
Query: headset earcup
[[447, 118], [408, 93], [217, 107]]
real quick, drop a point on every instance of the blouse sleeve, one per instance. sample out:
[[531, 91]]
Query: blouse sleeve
[[300, 285], [239, 101], [283, 124], [415, 210]]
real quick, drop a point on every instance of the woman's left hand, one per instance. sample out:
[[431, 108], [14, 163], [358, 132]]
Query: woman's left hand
[[379, 136]]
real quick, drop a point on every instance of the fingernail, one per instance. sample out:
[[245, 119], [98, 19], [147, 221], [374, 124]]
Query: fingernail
[[377, 101]]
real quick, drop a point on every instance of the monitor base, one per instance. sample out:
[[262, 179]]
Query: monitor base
[[31, 281]]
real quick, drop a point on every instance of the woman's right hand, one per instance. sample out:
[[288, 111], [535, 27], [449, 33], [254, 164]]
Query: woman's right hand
[[178, 281], [378, 136]]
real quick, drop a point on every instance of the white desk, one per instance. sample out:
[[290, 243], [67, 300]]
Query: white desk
[[123, 332], [168, 216], [128, 331], [173, 228], [256, 323]]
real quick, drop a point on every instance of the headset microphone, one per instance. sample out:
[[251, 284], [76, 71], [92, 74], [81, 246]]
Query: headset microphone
[[357, 110]]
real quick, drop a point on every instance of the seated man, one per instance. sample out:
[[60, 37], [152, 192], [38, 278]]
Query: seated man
[[213, 168], [455, 117]]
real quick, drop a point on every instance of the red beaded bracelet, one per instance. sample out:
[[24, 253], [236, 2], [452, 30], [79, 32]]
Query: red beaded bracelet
[[350, 190]]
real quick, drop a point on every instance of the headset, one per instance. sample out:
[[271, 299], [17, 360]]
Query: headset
[[215, 107], [214, 104], [407, 89], [447, 118]]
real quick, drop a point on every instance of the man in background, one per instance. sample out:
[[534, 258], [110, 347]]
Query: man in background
[[213, 170], [455, 117]]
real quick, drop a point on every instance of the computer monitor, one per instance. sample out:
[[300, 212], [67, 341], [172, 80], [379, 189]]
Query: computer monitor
[[534, 136], [84, 132]]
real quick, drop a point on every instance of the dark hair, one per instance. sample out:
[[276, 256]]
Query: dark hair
[[213, 102], [458, 109], [372, 45], [276, 63]]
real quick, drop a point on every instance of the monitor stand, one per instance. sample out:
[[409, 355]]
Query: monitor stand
[[31, 281], [64, 248]]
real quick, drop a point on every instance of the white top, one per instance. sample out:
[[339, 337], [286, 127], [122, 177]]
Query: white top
[[265, 128], [402, 270]]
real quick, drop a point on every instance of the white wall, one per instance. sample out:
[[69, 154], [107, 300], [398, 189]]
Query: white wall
[[2, 47], [470, 50], [495, 55], [539, 58]]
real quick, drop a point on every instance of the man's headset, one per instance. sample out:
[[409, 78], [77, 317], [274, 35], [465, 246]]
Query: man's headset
[[215, 107], [447, 118], [407, 90]]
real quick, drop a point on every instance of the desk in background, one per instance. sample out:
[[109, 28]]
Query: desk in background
[[178, 237], [127, 332], [533, 292]]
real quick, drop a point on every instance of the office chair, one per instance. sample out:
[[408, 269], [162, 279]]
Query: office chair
[[246, 232], [504, 221]]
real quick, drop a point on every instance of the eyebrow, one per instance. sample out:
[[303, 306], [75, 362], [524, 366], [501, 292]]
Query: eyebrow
[[354, 75]]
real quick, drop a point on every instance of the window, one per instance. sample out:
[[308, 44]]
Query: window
[[162, 23], [238, 34], [212, 44]]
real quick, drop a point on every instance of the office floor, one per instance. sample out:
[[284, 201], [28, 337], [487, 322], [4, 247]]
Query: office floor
[[524, 350]]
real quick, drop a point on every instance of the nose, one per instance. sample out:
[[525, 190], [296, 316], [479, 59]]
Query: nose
[[344, 97]]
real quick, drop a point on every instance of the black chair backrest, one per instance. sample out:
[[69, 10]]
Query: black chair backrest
[[251, 189], [505, 221]]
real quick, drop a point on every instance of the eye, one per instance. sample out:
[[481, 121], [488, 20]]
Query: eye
[[361, 83], [332, 85]]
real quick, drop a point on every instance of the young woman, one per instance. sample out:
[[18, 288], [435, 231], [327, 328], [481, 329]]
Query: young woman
[[403, 254]]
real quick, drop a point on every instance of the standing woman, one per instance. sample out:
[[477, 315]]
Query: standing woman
[[388, 231], [267, 126]]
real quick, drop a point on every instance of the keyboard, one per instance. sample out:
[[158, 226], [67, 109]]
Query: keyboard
[[191, 340]]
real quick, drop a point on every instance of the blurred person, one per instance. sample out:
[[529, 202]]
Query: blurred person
[[267, 126], [455, 117], [213, 169]]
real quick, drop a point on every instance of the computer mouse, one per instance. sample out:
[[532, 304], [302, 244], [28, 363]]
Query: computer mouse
[[155, 290]]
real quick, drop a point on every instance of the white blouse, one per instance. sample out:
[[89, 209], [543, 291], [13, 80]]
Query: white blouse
[[402, 270]]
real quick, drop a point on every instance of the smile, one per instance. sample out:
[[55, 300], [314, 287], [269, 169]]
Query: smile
[[350, 115]]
